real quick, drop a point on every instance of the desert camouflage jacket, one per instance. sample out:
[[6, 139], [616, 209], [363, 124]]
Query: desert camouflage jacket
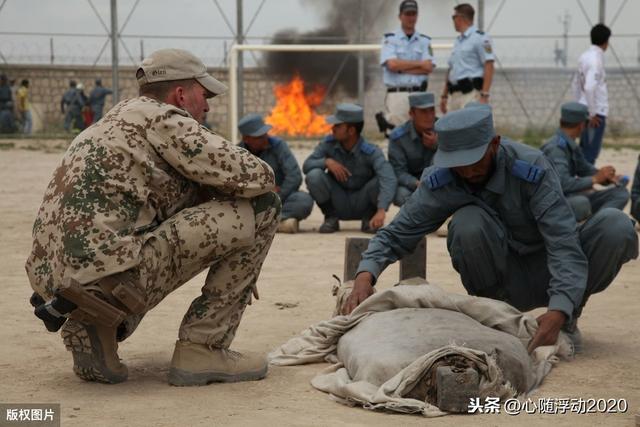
[[122, 177]]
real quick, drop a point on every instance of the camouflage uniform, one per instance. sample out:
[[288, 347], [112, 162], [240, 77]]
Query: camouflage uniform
[[152, 197]]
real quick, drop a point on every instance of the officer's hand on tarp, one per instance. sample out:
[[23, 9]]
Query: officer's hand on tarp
[[549, 325], [362, 289]]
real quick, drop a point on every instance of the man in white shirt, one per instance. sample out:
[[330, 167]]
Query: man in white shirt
[[590, 89]]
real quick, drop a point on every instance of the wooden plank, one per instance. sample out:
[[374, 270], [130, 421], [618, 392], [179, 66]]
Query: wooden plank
[[353, 249], [415, 264]]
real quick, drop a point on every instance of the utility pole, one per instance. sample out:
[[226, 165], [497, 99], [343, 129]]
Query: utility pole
[[361, 55], [240, 40], [115, 84], [481, 15], [565, 38], [601, 11]]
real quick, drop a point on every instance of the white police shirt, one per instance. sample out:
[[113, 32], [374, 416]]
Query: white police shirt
[[397, 45], [470, 52], [589, 84]]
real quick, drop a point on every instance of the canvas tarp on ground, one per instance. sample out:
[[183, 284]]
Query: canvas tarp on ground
[[356, 378]]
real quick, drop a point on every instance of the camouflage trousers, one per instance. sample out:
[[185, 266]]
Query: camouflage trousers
[[229, 237]]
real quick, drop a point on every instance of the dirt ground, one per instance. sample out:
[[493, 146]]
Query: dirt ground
[[36, 368]]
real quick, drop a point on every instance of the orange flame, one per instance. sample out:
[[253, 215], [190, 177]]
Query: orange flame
[[294, 113]]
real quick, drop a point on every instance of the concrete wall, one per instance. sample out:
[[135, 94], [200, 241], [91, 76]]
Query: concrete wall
[[522, 98]]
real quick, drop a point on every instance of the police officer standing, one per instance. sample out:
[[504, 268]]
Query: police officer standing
[[413, 145], [513, 236], [96, 100], [577, 176], [407, 60], [471, 65], [348, 177], [296, 205]]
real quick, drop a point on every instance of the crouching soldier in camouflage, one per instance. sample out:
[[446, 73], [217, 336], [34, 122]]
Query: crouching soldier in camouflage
[[296, 205], [142, 202]]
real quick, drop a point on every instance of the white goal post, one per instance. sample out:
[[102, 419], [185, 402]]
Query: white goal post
[[233, 67]]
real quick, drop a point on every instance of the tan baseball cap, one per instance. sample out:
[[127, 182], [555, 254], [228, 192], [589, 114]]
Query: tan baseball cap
[[178, 64]]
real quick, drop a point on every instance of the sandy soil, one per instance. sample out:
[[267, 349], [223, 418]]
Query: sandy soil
[[35, 367]]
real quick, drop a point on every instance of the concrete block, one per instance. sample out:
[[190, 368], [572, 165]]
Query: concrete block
[[455, 388]]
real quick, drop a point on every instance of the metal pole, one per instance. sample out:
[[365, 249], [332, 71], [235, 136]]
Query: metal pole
[[601, 11], [141, 50], [51, 49], [115, 84], [240, 63], [233, 92], [361, 56], [565, 38], [481, 15]]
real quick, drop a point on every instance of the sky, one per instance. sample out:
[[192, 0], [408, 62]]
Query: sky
[[525, 32]]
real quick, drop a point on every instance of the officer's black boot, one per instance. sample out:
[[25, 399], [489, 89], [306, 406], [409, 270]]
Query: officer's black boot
[[331, 223]]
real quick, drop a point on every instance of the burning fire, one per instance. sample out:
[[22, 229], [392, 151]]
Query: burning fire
[[294, 113]]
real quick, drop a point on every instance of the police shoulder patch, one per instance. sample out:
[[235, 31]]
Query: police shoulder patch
[[425, 36], [480, 32], [367, 148], [526, 171], [398, 132], [487, 46], [439, 178]]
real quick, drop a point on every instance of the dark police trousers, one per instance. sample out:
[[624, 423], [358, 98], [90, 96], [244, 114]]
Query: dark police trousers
[[489, 268]]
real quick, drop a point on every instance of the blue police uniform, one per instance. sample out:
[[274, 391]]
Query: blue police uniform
[[515, 238], [295, 204], [635, 193], [408, 157], [371, 185], [471, 50], [397, 45], [96, 101], [575, 174], [7, 120]]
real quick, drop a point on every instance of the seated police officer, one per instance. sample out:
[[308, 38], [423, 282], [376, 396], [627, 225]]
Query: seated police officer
[[577, 176], [413, 145], [348, 177], [512, 236], [296, 205]]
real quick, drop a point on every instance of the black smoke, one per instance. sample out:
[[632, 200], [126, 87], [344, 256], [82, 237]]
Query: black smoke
[[335, 70]]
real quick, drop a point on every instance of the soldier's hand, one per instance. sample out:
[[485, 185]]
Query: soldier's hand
[[338, 170], [429, 139], [362, 289], [604, 175], [549, 325], [377, 220], [443, 105]]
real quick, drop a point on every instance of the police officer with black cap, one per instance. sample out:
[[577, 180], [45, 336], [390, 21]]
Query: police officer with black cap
[[407, 60]]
